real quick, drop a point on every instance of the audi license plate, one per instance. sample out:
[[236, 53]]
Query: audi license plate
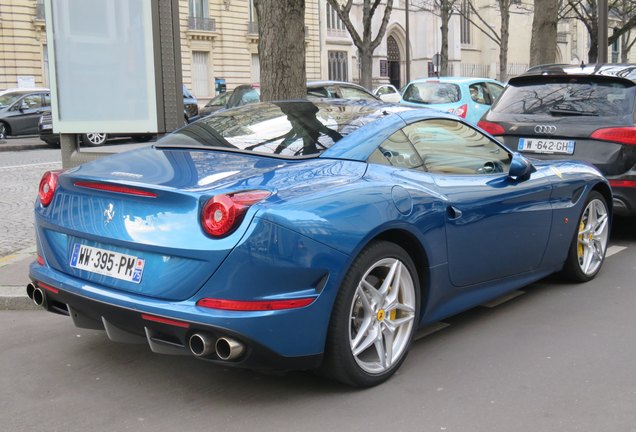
[[548, 146], [108, 263]]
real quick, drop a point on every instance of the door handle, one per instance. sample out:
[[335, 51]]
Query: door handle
[[453, 212]]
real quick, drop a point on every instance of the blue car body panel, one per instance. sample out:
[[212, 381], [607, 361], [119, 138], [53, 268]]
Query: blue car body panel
[[299, 242]]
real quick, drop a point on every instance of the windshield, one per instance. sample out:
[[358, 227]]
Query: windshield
[[432, 92], [567, 96], [291, 129]]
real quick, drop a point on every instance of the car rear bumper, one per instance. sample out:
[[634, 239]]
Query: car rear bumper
[[167, 326]]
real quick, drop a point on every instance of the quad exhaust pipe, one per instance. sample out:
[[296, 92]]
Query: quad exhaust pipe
[[36, 294], [227, 349]]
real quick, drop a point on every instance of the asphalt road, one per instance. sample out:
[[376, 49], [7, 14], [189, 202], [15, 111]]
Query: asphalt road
[[557, 357]]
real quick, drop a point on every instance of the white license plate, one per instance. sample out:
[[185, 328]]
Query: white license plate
[[117, 265], [47, 127], [548, 146]]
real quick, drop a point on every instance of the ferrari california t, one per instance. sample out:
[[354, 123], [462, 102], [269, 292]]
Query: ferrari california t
[[308, 234]]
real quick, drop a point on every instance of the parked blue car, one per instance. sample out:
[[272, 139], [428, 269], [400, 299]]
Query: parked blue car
[[469, 98], [308, 234]]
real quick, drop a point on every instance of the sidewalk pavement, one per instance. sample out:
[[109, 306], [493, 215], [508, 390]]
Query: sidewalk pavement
[[14, 277]]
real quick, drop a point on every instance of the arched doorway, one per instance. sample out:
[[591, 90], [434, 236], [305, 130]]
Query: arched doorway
[[393, 61]]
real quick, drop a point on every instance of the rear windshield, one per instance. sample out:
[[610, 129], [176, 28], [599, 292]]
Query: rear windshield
[[567, 96], [432, 92], [291, 129]]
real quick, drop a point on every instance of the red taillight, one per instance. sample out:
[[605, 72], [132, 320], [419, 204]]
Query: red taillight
[[459, 111], [491, 128], [222, 213], [622, 183], [261, 305], [115, 188], [48, 184], [623, 135], [41, 260], [49, 288], [165, 321]]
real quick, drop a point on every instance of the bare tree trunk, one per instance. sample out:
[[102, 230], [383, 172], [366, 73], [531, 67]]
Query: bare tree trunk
[[505, 35], [281, 48], [544, 32], [445, 14], [626, 46], [366, 67], [366, 43]]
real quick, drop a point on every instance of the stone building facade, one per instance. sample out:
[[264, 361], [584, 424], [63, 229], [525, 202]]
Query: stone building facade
[[219, 40]]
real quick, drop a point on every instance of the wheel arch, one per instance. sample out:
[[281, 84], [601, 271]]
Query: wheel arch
[[410, 243], [605, 190]]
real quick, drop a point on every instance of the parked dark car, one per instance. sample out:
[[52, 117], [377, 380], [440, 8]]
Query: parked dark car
[[556, 112], [190, 106], [45, 126], [251, 93], [20, 111], [45, 130], [216, 103]]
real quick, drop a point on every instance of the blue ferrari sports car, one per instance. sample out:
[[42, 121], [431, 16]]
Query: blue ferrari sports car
[[308, 234]]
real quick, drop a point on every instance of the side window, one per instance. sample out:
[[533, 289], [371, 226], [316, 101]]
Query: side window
[[478, 93], [396, 151], [32, 101], [451, 147], [494, 90]]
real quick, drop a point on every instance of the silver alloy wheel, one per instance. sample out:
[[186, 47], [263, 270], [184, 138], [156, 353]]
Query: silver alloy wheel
[[592, 237], [3, 131], [382, 316], [96, 138]]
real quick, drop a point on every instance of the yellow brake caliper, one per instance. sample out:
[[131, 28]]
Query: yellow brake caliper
[[579, 248]]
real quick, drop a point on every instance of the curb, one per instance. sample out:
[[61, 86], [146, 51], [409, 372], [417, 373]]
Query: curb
[[12, 268], [6, 146]]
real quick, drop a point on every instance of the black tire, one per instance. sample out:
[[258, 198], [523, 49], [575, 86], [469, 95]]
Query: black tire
[[358, 325], [142, 138], [4, 130], [94, 139], [52, 143], [588, 247]]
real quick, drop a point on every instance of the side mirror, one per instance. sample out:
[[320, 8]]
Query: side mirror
[[520, 167]]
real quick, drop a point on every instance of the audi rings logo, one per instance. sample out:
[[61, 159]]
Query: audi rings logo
[[545, 129]]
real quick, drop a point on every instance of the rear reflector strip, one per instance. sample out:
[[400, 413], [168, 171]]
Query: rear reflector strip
[[165, 321], [265, 305], [622, 183], [48, 288], [116, 188]]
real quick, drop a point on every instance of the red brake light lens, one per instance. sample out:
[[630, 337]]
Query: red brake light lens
[[115, 188], [222, 213], [459, 111], [623, 183], [48, 184], [623, 135], [261, 305], [491, 128]]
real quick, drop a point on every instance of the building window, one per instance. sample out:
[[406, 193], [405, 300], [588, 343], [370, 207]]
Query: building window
[[334, 23], [199, 8], [200, 74], [338, 66], [465, 22]]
